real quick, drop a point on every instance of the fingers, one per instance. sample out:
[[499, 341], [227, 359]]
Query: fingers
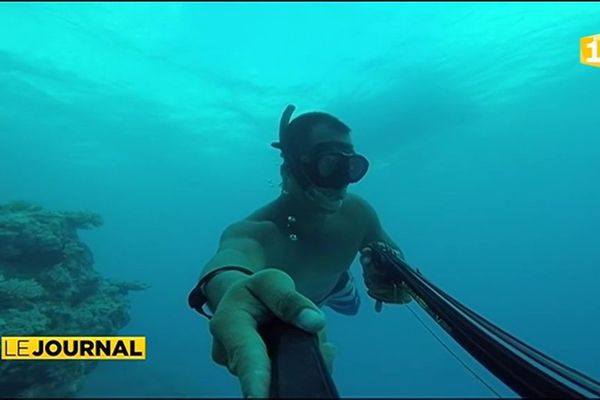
[[277, 291], [234, 326], [369, 266], [252, 366], [389, 294], [379, 284], [366, 256], [219, 354], [328, 351], [239, 346]]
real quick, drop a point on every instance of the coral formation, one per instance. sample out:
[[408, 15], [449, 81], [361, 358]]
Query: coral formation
[[49, 287]]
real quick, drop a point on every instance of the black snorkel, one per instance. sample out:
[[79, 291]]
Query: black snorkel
[[284, 121], [290, 159]]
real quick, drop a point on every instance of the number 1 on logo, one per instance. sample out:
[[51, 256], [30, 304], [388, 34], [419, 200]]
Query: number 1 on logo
[[594, 47], [589, 50]]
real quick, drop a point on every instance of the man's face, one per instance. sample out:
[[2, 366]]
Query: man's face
[[328, 199]]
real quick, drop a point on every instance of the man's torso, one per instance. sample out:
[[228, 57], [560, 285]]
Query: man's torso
[[315, 259]]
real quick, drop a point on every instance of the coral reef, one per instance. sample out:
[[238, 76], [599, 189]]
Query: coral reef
[[49, 287]]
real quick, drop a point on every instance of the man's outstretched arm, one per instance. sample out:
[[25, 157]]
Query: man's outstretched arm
[[239, 246], [242, 302]]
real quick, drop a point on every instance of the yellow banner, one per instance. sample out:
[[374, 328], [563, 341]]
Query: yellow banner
[[73, 348], [589, 50]]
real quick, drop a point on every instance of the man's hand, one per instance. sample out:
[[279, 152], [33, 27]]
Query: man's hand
[[380, 285], [248, 304]]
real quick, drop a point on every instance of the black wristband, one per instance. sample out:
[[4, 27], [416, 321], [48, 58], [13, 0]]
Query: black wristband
[[197, 297]]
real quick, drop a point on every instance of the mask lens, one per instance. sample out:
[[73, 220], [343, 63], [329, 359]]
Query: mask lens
[[337, 169], [357, 168]]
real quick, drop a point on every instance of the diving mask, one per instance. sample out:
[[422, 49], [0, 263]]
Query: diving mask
[[334, 165]]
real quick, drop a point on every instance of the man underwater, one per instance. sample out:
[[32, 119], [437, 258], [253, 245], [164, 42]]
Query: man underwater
[[292, 256]]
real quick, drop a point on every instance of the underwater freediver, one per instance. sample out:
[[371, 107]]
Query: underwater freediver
[[274, 269], [292, 256]]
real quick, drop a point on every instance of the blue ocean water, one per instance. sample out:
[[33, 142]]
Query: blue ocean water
[[479, 121]]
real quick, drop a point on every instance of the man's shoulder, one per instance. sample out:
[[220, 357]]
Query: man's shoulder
[[256, 225], [359, 208], [247, 227]]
